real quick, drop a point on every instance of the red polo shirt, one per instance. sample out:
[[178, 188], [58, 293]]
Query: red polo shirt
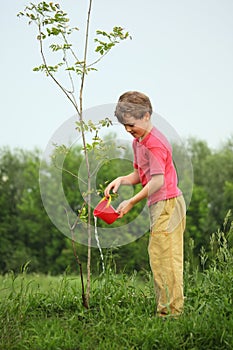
[[152, 156]]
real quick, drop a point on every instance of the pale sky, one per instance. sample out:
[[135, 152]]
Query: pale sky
[[180, 55]]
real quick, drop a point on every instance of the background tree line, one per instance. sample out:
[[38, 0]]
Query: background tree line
[[27, 234]]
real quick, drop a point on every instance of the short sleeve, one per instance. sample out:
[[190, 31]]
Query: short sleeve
[[157, 159]]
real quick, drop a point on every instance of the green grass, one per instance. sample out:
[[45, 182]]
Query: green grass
[[40, 312], [43, 312]]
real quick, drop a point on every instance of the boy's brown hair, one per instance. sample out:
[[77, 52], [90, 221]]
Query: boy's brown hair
[[132, 104]]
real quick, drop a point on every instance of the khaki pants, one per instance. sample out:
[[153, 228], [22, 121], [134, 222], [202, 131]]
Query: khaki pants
[[166, 253]]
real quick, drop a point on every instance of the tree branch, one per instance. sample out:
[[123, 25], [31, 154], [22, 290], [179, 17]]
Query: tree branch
[[73, 101]]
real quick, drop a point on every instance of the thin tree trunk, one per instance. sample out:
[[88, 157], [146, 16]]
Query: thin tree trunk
[[86, 158]]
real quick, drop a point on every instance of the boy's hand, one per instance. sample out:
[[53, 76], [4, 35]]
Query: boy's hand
[[124, 207], [114, 185]]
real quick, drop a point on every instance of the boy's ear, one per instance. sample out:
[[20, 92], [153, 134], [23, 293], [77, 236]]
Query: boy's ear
[[147, 116]]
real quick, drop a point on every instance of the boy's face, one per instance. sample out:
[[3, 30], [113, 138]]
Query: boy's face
[[138, 128]]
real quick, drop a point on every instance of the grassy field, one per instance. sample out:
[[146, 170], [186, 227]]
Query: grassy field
[[43, 312]]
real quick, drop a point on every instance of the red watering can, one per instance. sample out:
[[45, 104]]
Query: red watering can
[[105, 211]]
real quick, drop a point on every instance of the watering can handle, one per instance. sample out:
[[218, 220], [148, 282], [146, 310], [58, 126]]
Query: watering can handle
[[105, 199]]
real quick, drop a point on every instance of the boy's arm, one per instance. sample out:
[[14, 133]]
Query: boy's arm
[[152, 186], [131, 179]]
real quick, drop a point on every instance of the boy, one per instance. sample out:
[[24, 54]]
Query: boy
[[154, 169]]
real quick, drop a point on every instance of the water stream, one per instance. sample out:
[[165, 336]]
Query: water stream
[[98, 244]]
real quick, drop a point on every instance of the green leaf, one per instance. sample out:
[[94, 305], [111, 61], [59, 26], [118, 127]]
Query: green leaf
[[91, 69], [70, 68], [53, 31]]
